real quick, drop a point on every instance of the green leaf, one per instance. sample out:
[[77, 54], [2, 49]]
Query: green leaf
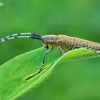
[[13, 72]]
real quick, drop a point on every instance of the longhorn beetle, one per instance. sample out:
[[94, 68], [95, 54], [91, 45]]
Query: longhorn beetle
[[63, 42]]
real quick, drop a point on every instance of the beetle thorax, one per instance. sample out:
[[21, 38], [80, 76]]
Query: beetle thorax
[[49, 40]]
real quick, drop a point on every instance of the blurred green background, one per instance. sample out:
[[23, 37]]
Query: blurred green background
[[73, 80]]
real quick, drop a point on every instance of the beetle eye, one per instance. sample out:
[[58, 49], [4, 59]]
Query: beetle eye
[[42, 40]]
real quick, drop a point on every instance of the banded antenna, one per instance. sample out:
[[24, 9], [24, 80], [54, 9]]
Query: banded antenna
[[21, 35]]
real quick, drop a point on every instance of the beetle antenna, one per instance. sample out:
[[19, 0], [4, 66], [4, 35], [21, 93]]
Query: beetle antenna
[[35, 36], [21, 35]]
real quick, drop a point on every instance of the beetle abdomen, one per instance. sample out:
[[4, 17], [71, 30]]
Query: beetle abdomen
[[67, 43]]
